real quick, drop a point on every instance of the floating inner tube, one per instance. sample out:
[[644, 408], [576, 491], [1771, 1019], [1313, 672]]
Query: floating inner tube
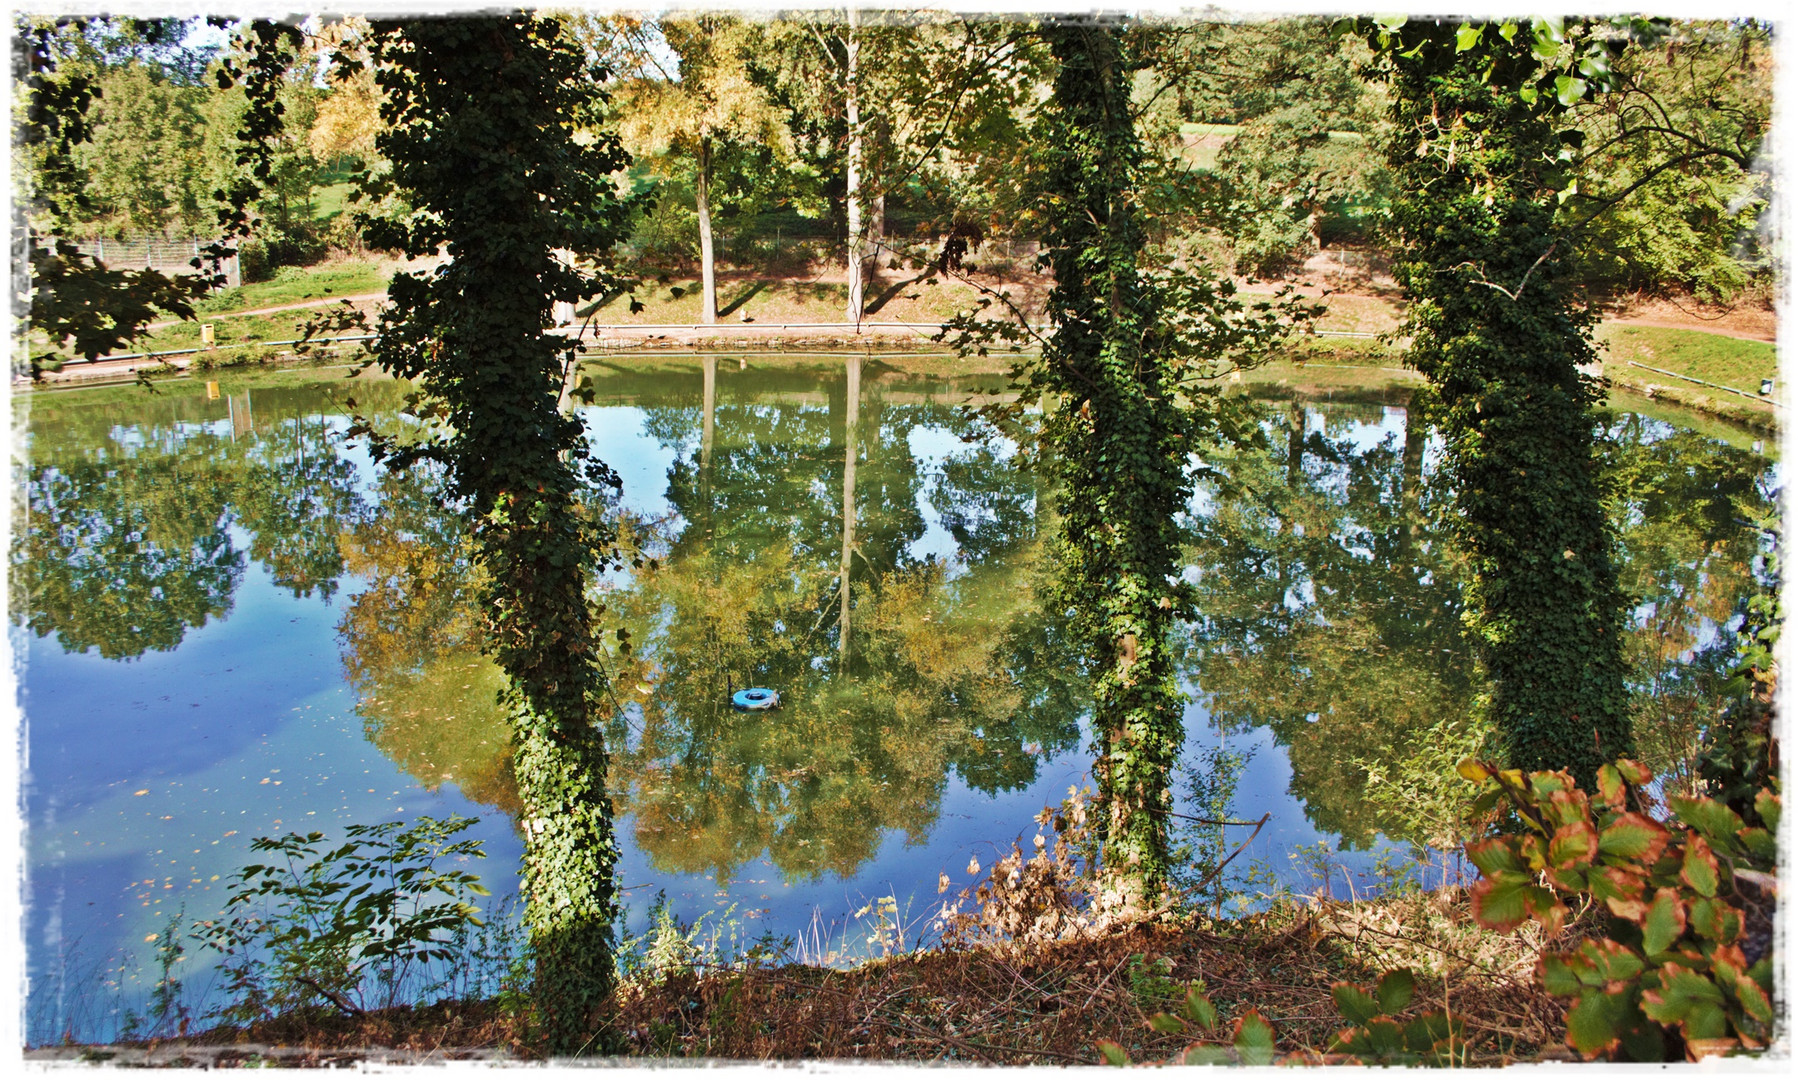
[[755, 699]]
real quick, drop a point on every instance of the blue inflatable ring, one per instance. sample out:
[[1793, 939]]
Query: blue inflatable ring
[[755, 699]]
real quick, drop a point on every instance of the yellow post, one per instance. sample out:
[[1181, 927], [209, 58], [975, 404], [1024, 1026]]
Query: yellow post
[[206, 335], [212, 391]]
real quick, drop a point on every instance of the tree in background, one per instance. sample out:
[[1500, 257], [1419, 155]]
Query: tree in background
[[1476, 147], [705, 116], [483, 116], [68, 295], [1298, 152], [1673, 185]]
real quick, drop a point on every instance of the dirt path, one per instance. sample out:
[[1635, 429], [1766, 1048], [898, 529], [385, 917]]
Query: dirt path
[[326, 302]]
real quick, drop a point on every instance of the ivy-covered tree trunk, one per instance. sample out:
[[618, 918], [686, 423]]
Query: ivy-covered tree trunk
[[482, 141], [1117, 437], [1497, 331]]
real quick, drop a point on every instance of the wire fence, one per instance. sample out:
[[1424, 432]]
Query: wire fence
[[155, 253]]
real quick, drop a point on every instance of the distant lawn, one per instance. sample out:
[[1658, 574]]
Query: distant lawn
[[296, 286], [328, 201], [1727, 361]]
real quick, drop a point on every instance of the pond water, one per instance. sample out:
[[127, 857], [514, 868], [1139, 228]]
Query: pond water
[[232, 625]]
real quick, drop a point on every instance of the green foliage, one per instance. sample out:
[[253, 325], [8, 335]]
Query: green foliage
[[1132, 370], [1685, 969], [1740, 751], [1251, 1041], [485, 143], [352, 926], [1481, 162], [1377, 1036]]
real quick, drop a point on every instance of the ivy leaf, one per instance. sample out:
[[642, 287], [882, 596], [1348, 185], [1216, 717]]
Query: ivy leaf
[[1467, 36], [1568, 90]]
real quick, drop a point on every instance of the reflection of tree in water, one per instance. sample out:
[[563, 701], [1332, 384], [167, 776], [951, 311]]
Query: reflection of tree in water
[[946, 675], [1330, 613], [949, 674], [1680, 502], [1330, 616], [127, 543], [411, 640]]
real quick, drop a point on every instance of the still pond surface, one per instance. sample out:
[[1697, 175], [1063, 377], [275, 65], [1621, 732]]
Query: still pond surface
[[233, 625]]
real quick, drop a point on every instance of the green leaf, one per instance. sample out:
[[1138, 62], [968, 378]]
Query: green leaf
[[1167, 1024], [1558, 979], [1199, 1009], [1568, 90], [1498, 902], [1632, 836], [1766, 804], [1467, 36], [1682, 991], [1390, 22], [1355, 1004], [1573, 846], [1528, 95], [1254, 1039], [1715, 821], [1610, 785], [1494, 855], [1699, 867], [1664, 922], [1113, 1053], [1595, 1022], [1609, 961], [1716, 920], [1395, 990]]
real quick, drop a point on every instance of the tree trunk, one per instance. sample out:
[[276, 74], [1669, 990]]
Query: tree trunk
[[1123, 455], [853, 184], [708, 281]]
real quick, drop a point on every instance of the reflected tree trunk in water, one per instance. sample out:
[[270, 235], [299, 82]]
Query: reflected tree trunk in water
[[1417, 434], [707, 434], [852, 417]]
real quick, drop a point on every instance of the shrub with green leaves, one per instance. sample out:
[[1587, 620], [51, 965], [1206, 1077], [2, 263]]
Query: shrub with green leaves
[[1377, 1037], [355, 926], [1251, 1037], [1684, 967]]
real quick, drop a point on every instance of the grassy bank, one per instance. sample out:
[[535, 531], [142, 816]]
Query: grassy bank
[[1736, 363]]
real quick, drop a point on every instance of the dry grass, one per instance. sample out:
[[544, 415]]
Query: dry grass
[[1002, 1006]]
